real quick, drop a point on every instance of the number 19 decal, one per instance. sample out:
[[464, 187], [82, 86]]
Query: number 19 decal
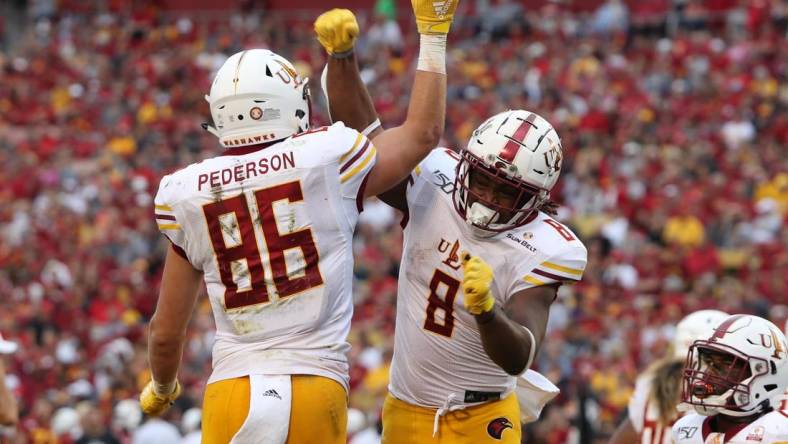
[[451, 285], [234, 241]]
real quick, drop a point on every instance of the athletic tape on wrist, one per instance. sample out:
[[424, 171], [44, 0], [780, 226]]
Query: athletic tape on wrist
[[164, 389], [432, 53]]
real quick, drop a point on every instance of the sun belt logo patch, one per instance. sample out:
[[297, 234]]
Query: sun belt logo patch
[[496, 427]]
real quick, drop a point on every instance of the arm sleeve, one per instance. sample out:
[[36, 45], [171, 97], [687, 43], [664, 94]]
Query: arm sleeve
[[566, 267]]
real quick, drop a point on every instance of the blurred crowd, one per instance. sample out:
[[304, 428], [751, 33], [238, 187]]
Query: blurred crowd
[[673, 117]]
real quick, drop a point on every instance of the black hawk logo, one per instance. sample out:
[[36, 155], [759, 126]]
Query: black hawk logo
[[496, 427]]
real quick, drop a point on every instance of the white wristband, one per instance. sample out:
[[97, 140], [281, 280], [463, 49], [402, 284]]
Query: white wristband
[[432, 53]]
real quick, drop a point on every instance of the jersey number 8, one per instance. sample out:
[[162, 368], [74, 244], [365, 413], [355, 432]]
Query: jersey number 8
[[231, 226], [446, 304]]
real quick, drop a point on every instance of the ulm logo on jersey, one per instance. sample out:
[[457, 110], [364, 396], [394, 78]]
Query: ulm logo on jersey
[[453, 258]]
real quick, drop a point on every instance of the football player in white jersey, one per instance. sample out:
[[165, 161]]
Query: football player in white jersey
[[652, 407], [784, 404], [268, 226], [481, 265], [734, 379], [9, 411]]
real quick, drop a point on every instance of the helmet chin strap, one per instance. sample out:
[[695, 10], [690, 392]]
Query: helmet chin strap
[[207, 127], [720, 399]]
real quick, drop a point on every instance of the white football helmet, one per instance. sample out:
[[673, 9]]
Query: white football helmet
[[740, 369], [127, 414], [257, 97], [696, 325], [7, 347], [516, 148]]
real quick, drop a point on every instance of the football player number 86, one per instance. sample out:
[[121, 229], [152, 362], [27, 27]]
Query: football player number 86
[[231, 228]]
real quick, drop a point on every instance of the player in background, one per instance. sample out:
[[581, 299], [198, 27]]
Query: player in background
[[481, 265], [268, 226], [784, 404], [9, 411], [652, 407], [734, 379]]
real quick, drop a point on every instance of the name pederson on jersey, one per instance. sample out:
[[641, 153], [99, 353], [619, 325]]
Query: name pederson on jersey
[[438, 352], [272, 232]]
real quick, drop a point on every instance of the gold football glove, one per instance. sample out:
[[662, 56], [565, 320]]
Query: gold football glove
[[434, 16], [476, 285], [337, 30], [155, 404]]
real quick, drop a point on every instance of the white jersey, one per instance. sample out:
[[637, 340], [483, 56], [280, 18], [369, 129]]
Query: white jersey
[[771, 428], [644, 414], [438, 350], [272, 232]]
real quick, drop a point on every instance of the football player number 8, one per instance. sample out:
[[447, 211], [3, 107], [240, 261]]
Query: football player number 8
[[441, 283], [232, 232]]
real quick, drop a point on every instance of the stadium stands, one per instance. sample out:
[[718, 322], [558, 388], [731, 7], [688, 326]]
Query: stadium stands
[[675, 132]]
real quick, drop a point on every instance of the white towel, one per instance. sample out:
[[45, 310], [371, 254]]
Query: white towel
[[533, 391], [269, 411]]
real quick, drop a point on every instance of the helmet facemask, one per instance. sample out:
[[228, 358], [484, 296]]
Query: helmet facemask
[[484, 214], [718, 379]]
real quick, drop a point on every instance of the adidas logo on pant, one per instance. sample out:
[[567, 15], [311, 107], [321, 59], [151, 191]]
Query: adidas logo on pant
[[272, 392]]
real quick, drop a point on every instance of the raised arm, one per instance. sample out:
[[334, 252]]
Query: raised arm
[[347, 97], [400, 148]]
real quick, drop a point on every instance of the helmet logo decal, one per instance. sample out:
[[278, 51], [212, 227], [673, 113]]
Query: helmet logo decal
[[779, 347], [722, 329], [553, 159], [516, 140], [289, 74], [256, 113]]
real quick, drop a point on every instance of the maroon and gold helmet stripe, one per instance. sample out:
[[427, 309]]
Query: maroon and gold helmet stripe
[[511, 148]]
